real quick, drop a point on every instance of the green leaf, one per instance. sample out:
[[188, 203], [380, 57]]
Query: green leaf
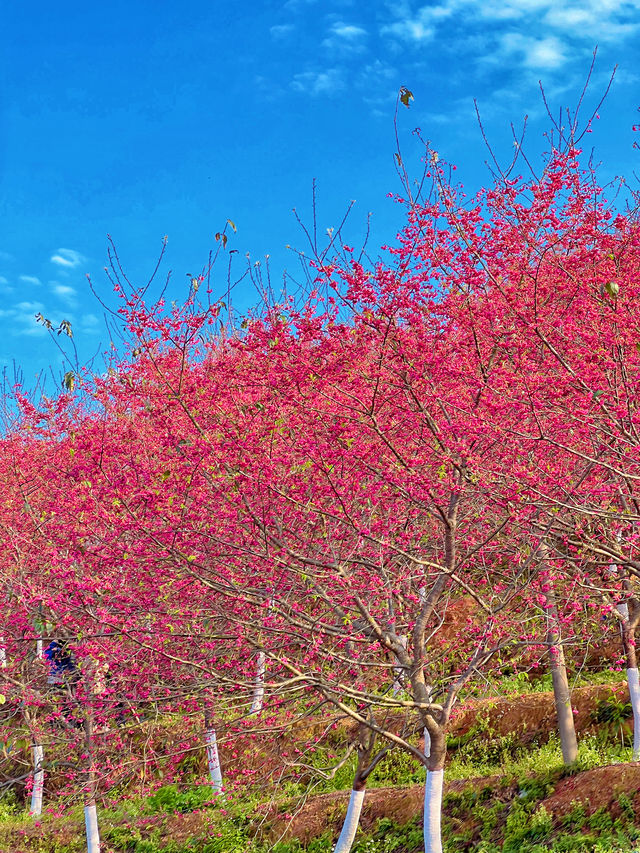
[[65, 327], [40, 319], [612, 288], [406, 95]]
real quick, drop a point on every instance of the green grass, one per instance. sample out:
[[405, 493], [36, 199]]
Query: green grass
[[503, 816]]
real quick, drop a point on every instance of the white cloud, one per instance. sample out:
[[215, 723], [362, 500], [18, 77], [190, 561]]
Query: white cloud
[[281, 30], [376, 74], [29, 279], [318, 82], [564, 18], [20, 318], [533, 52], [3, 280], [68, 258], [66, 293], [586, 21], [347, 31], [409, 29], [345, 38], [29, 306], [89, 322]]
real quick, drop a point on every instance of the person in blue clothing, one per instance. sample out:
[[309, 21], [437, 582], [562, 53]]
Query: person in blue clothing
[[63, 676], [62, 666]]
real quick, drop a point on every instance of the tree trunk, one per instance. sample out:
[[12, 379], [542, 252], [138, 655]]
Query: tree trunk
[[436, 744], [351, 821], [258, 690], [634, 696], [38, 780], [3, 654], [213, 760], [561, 691], [399, 679], [629, 646], [91, 827], [90, 810]]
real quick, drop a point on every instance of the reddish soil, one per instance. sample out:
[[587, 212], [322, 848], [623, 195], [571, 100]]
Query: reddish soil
[[532, 716], [596, 789], [593, 789]]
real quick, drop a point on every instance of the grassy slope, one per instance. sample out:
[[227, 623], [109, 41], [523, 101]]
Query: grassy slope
[[507, 791]]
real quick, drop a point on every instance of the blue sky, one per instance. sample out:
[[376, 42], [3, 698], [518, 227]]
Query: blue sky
[[144, 119]]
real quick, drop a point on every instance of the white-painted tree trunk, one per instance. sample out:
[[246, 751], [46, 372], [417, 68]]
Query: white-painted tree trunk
[[3, 654], [38, 780], [433, 811], [91, 826], [432, 803], [213, 760], [634, 696], [258, 690], [350, 825]]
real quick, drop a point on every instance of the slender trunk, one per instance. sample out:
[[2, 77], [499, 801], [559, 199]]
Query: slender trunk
[[258, 690], [561, 691], [629, 646], [91, 785], [634, 695], [38, 780], [436, 745], [37, 791], [398, 670], [3, 654], [91, 827], [351, 821], [366, 765], [213, 760]]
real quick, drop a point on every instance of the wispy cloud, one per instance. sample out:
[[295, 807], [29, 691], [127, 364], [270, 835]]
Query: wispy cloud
[[29, 279], [20, 318], [534, 33], [89, 323], [67, 258], [537, 53], [345, 38], [412, 28], [281, 30], [350, 32], [63, 291], [327, 82]]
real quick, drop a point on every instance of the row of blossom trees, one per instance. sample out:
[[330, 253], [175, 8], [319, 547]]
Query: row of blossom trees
[[375, 498]]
